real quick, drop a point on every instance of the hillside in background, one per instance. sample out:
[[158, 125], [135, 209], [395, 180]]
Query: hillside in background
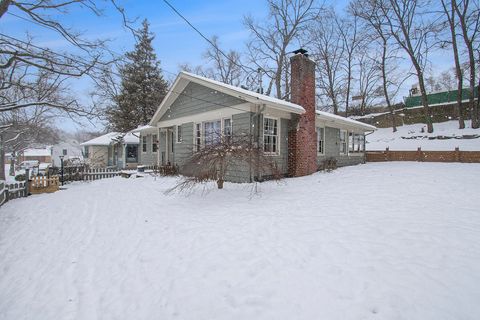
[[446, 137]]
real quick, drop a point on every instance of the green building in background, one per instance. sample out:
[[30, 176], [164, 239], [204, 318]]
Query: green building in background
[[437, 98]]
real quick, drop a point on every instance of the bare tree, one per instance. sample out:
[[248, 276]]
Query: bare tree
[[22, 62], [349, 34], [368, 79], [225, 69], [409, 23], [212, 162], [468, 13], [270, 40], [328, 50]]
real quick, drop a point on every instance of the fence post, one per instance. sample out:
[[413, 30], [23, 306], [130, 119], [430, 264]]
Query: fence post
[[27, 182], [457, 154], [387, 154], [419, 154]]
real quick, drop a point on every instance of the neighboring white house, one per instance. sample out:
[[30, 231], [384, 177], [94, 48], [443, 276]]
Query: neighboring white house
[[69, 149], [113, 149]]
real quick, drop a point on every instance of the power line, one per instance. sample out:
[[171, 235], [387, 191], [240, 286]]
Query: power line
[[208, 40]]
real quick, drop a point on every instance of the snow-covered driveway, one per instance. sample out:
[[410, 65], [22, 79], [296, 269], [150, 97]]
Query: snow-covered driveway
[[375, 241]]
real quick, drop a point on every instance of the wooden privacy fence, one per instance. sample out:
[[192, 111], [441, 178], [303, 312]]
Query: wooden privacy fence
[[424, 156]]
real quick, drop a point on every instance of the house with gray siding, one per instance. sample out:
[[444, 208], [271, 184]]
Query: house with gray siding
[[296, 135], [114, 149]]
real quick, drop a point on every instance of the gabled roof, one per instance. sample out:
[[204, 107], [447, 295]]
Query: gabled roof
[[184, 78], [111, 137], [330, 117]]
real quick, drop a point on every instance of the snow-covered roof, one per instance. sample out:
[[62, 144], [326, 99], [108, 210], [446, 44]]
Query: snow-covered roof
[[330, 117], [184, 78], [33, 152], [110, 137], [143, 128]]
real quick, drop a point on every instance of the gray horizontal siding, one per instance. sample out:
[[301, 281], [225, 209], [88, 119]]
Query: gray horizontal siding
[[183, 150], [147, 158], [332, 149], [196, 99]]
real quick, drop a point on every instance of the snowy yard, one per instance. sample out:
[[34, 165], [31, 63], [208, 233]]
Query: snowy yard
[[410, 137], [375, 241]]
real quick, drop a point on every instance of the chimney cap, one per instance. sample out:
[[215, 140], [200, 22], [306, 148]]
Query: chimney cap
[[301, 51]]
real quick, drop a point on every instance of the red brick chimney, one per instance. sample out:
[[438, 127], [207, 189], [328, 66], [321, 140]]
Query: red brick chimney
[[302, 137]]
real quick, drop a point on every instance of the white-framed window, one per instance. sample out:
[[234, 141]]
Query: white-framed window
[[343, 141], [320, 140], [154, 143], [356, 142], [179, 134], [198, 137], [227, 128], [144, 143], [211, 132], [270, 135]]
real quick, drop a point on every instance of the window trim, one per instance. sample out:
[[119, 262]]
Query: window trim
[[344, 143], [176, 134], [202, 131], [157, 143], [323, 140], [277, 152], [355, 152], [144, 143]]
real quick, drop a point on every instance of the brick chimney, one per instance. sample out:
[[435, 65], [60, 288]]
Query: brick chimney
[[302, 137]]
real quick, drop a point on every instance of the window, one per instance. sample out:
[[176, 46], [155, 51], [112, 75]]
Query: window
[[144, 144], [356, 142], [198, 136], [64, 152], [321, 140], [132, 153], [154, 143], [270, 135], [179, 134], [212, 132], [227, 128], [343, 141], [86, 154]]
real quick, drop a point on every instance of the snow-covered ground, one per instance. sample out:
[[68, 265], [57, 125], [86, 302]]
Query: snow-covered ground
[[376, 241], [384, 137]]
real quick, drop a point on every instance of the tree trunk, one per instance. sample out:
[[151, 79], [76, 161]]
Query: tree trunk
[[12, 166], [384, 85], [471, 63], [423, 92], [458, 68], [4, 6], [2, 158]]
